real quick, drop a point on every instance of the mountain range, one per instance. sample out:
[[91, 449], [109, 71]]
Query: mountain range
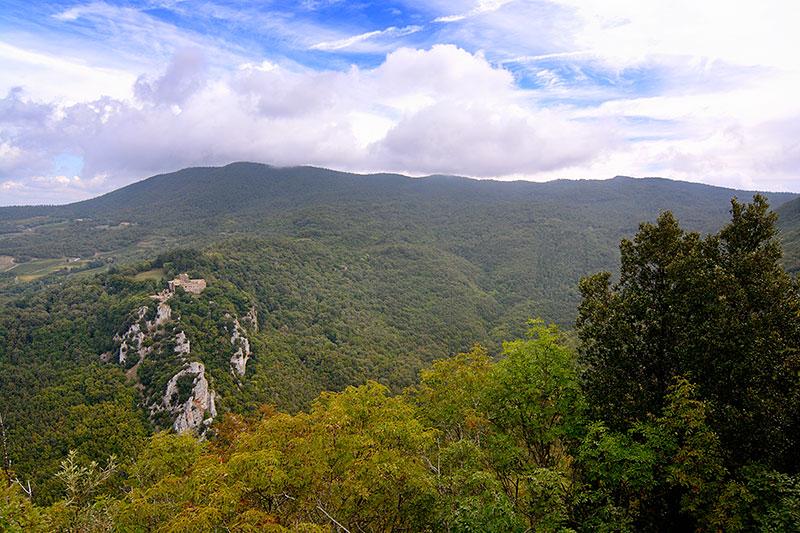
[[315, 280], [571, 226]]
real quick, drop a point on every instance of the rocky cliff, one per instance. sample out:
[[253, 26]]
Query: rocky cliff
[[187, 400]]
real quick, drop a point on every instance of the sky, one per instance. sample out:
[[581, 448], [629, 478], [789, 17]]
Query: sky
[[96, 95]]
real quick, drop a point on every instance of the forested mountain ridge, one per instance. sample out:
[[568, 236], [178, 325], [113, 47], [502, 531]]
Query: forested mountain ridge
[[525, 242], [203, 191]]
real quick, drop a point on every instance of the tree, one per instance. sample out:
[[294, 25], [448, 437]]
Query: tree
[[535, 395], [535, 404], [84, 508], [720, 310], [17, 512], [664, 474], [451, 397]]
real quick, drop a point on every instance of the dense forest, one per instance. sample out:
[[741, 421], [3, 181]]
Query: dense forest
[[669, 404], [325, 281]]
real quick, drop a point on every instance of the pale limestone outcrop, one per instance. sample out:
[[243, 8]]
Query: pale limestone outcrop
[[251, 318], [163, 314], [199, 409], [182, 347], [242, 346], [133, 338]]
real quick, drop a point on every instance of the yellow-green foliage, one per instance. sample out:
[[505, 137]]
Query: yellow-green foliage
[[478, 445]]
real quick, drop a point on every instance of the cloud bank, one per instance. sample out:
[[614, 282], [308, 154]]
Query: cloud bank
[[504, 89], [421, 111]]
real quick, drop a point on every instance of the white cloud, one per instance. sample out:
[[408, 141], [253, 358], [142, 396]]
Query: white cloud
[[415, 112], [185, 75], [62, 181], [747, 33], [488, 139], [10, 185], [483, 6], [264, 66], [54, 77], [49, 189], [701, 91], [348, 42], [9, 154], [625, 33]]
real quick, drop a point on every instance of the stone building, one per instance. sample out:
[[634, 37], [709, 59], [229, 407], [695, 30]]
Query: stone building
[[195, 286]]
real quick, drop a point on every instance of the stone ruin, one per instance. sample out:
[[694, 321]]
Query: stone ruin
[[194, 286]]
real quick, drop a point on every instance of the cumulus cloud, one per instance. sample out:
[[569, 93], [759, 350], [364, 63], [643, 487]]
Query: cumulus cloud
[[488, 140], [184, 75], [417, 111]]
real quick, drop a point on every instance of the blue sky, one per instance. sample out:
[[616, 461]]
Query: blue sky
[[94, 95]]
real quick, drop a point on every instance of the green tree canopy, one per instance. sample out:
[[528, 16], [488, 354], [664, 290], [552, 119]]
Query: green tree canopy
[[719, 309]]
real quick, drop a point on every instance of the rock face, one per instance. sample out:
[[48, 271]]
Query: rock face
[[163, 314], [132, 339], [188, 396], [242, 346], [182, 347], [199, 409], [140, 330], [251, 319]]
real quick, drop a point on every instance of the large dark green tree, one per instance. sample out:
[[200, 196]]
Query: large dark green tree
[[718, 309]]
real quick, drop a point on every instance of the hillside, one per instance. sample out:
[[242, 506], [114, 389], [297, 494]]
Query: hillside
[[214, 201], [209, 192], [230, 343], [323, 279], [529, 241], [789, 223]]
